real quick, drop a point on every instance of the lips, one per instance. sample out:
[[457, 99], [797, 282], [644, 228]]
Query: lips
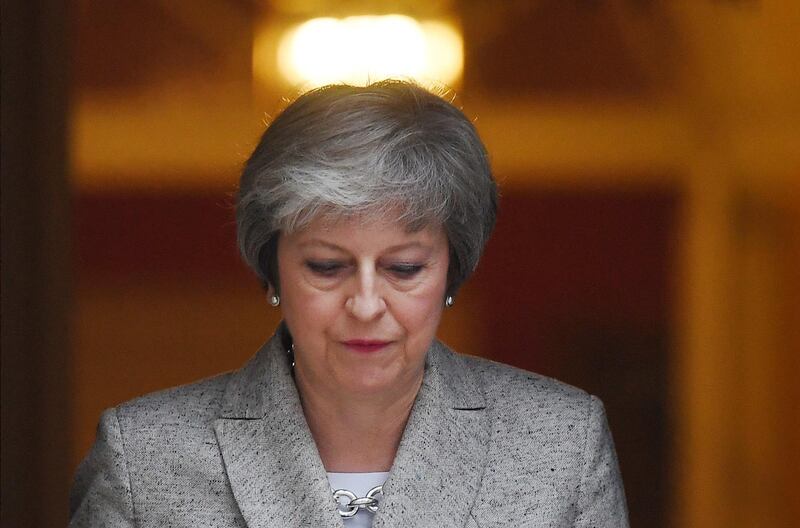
[[366, 346]]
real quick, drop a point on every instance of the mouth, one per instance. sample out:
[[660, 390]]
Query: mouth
[[366, 346]]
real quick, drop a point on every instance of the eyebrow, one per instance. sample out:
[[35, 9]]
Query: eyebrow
[[399, 247]]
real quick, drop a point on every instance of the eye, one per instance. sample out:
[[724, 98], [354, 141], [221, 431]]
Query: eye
[[405, 271], [324, 268]]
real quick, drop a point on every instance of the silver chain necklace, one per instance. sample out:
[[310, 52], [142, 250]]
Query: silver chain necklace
[[356, 504]]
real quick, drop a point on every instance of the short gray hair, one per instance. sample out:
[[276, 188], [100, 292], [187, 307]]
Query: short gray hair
[[390, 148]]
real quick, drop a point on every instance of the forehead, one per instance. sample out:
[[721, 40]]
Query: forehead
[[366, 234]]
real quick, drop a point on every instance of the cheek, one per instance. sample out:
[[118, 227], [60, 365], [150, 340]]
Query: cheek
[[307, 311], [420, 316], [313, 307], [422, 311]]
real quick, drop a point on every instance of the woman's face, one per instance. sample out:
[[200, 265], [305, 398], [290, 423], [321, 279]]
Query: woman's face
[[362, 301]]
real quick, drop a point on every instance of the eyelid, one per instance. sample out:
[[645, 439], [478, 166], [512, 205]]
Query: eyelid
[[324, 267], [405, 269], [324, 262], [405, 265], [332, 268]]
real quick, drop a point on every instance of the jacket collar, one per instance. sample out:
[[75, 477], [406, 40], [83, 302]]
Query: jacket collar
[[274, 467]]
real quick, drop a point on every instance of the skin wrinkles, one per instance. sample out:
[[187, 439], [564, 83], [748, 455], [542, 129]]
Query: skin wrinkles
[[352, 280], [405, 266]]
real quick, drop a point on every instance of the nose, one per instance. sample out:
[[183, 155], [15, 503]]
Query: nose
[[366, 303]]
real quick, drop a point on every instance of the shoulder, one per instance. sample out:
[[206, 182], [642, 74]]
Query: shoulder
[[191, 407], [171, 429], [508, 388], [534, 415], [547, 436]]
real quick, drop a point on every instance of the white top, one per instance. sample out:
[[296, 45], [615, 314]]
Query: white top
[[360, 484]]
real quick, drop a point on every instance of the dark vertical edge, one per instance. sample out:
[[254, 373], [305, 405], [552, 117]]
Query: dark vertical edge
[[36, 274]]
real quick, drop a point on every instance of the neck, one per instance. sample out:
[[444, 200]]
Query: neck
[[356, 432]]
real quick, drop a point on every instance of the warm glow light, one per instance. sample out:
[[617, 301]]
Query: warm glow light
[[361, 49]]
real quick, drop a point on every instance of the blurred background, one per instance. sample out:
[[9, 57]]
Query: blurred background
[[647, 249]]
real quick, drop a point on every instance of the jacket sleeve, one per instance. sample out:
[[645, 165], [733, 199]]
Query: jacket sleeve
[[602, 497], [101, 491]]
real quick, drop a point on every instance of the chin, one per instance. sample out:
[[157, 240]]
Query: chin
[[372, 380]]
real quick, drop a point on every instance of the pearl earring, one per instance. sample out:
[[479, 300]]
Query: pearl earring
[[274, 300], [449, 301]]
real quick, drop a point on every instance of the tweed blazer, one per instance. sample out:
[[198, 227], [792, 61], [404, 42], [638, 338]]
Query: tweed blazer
[[486, 445]]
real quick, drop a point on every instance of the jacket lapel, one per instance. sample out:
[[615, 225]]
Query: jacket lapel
[[437, 471], [276, 474], [272, 463]]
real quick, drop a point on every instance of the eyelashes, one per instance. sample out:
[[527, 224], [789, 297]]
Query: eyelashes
[[324, 268], [405, 271], [332, 268]]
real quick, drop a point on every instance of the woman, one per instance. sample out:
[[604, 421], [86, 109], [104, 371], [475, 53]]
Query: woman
[[362, 211]]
